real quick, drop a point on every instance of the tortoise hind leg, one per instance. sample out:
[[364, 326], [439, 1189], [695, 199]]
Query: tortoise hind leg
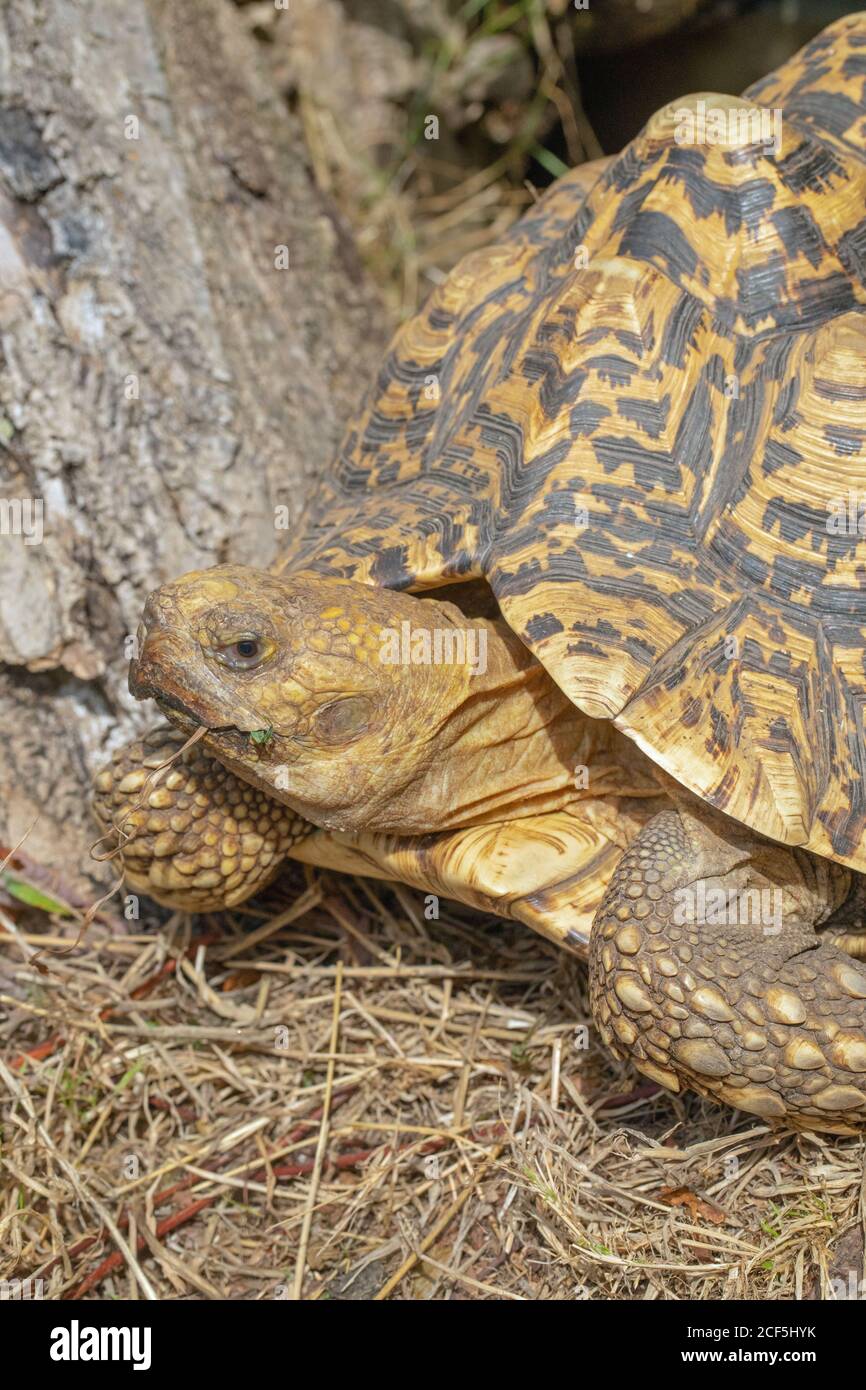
[[199, 838], [761, 1015], [846, 929]]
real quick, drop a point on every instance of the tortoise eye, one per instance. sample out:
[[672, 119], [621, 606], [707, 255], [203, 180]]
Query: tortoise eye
[[243, 654]]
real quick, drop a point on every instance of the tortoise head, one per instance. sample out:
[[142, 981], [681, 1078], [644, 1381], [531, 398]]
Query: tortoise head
[[302, 689]]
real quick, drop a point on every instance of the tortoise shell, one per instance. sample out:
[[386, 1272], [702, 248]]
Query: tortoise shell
[[641, 418]]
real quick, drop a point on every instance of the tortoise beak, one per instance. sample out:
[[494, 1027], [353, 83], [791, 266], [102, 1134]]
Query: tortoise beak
[[151, 678], [162, 671]]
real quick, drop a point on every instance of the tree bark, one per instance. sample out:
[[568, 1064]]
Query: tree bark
[[164, 383]]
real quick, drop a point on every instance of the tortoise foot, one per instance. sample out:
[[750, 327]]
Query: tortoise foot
[[195, 836], [759, 1013]]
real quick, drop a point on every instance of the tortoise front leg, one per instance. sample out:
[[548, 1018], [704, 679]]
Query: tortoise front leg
[[761, 1015], [199, 839]]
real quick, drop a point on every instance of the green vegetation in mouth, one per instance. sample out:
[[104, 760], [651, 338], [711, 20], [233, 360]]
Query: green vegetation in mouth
[[262, 736]]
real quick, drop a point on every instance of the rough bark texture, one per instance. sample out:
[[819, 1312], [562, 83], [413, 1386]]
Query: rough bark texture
[[163, 385]]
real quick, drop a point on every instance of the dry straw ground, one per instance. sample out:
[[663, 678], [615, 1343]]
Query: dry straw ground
[[327, 1093]]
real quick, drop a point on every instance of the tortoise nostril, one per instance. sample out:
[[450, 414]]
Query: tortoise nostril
[[148, 616], [157, 612]]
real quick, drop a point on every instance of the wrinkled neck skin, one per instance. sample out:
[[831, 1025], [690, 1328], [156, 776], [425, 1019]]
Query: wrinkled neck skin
[[487, 746], [507, 746]]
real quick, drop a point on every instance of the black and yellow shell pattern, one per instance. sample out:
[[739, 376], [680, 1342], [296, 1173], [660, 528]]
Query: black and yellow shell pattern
[[642, 418]]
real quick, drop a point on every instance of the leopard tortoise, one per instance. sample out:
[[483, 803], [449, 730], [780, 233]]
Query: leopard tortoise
[[575, 631]]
